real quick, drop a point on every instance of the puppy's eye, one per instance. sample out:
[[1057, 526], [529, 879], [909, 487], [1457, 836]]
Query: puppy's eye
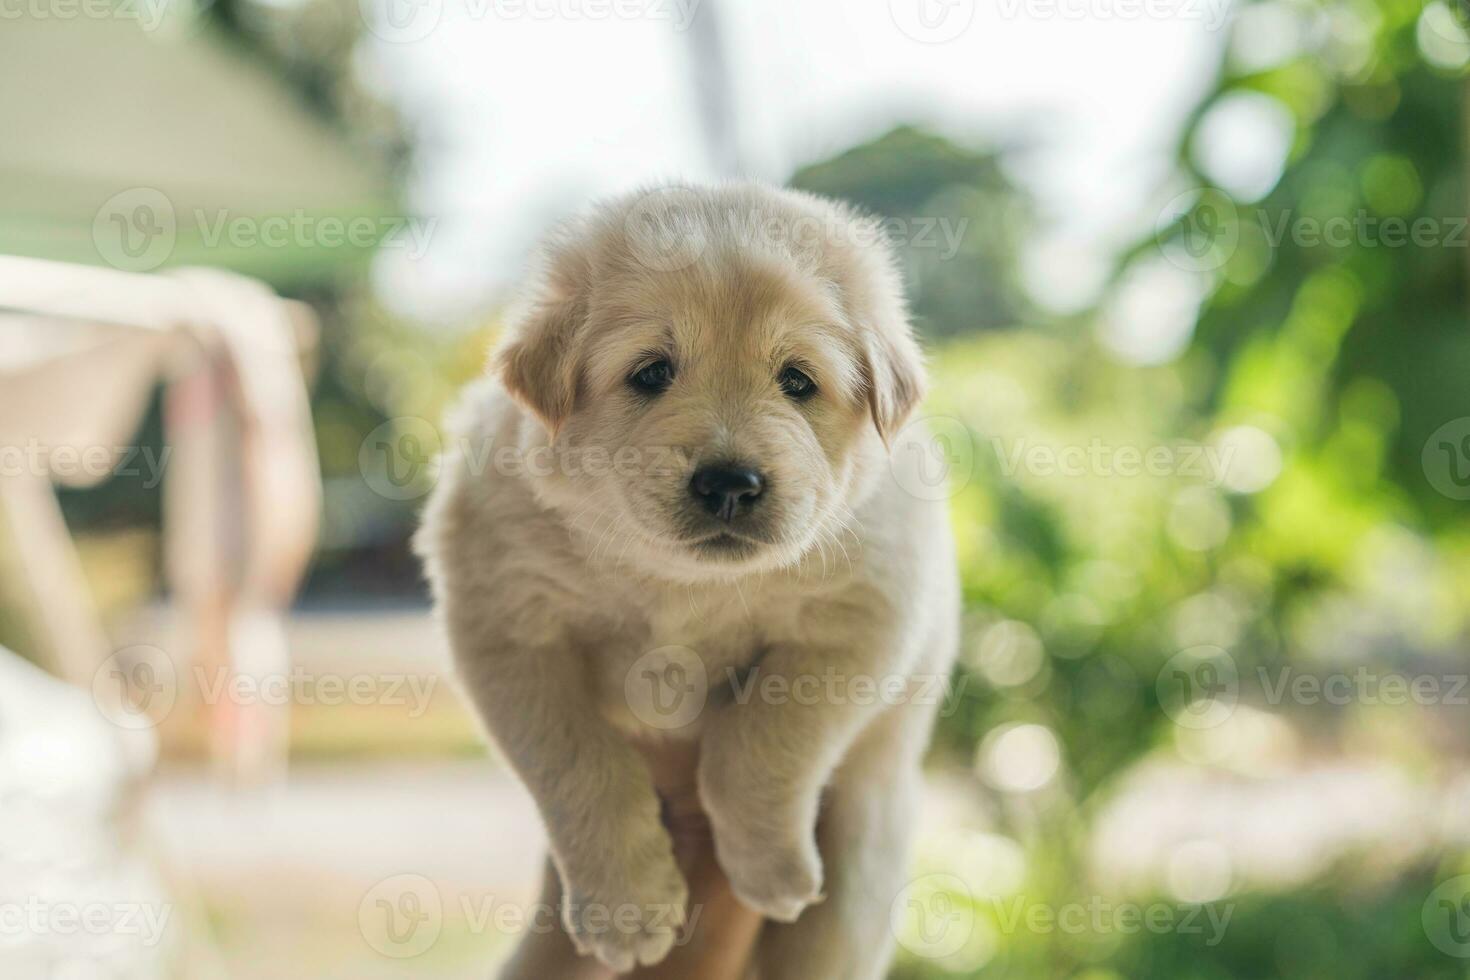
[[653, 378], [796, 384]]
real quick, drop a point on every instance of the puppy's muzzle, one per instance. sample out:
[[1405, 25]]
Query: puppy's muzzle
[[726, 489]]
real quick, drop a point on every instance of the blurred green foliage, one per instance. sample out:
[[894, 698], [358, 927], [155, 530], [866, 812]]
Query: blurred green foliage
[[1324, 346], [958, 223]]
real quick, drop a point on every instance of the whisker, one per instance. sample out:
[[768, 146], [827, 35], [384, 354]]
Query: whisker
[[741, 594]]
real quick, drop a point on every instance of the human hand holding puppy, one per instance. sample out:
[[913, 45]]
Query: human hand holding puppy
[[697, 402]]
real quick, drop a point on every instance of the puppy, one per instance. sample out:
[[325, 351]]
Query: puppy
[[672, 512]]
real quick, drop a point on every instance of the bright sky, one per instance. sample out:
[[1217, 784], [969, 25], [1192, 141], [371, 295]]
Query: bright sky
[[528, 108]]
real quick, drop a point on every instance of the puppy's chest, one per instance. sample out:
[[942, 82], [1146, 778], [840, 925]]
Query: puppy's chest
[[657, 673]]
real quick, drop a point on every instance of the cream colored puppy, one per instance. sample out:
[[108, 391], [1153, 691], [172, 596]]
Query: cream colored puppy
[[673, 512]]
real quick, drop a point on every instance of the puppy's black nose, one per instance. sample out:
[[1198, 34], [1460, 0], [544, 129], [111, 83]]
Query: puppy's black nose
[[724, 488]]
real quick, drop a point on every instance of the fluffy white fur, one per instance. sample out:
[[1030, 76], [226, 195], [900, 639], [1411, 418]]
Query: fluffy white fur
[[556, 568]]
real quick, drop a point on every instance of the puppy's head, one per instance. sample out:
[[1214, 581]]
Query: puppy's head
[[717, 371]]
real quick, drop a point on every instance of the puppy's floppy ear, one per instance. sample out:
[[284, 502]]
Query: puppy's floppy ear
[[537, 363], [893, 370], [870, 288]]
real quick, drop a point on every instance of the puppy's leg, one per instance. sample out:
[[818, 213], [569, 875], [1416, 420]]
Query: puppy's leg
[[624, 895], [765, 761], [866, 825], [719, 943]]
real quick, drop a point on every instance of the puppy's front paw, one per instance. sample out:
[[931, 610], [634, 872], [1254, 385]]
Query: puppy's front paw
[[630, 917], [769, 852], [777, 880]]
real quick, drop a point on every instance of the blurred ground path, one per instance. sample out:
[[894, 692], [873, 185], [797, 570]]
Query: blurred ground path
[[335, 635], [385, 790], [289, 878], [451, 820]]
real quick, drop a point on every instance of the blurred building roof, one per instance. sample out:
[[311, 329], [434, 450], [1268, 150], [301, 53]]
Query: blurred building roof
[[120, 125]]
